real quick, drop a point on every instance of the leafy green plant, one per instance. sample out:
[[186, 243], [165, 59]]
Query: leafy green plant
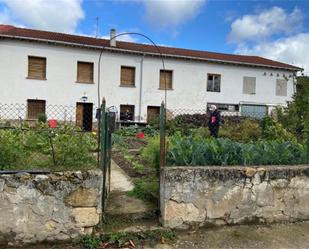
[[145, 189], [42, 118], [90, 242], [40, 147], [272, 130], [198, 151], [151, 153]]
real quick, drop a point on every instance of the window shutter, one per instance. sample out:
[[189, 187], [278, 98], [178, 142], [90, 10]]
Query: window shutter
[[166, 77], [35, 107], [281, 87], [249, 85], [36, 67], [127, 77], [85, 72]]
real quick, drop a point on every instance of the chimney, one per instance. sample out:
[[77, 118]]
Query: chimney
[[112, 42]]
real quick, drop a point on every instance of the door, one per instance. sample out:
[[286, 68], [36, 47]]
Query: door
[[153, 113], [84, 114]]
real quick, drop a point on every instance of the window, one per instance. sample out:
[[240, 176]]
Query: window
[[127, 76], [84, 72], [166, 78], [281, 87], [35, 107], [225, 107], [36, 68], [213, 82], [249, 85], [127, 112]]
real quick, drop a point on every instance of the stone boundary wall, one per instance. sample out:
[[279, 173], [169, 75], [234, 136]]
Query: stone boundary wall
[[201, 196], [56, 206]]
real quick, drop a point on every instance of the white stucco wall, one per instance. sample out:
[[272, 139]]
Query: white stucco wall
[[189, 79]]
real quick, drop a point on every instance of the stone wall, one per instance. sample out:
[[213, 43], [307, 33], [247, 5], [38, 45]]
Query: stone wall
[[56, 206], [200, 196]]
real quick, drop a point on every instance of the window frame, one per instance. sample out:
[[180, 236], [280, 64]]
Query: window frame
[[132, 119], [213, 82], [45, 68], [172, 79], [84, 82], [127, 67], [226, 106]]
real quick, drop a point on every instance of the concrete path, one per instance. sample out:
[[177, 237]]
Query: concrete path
[[120, 181]]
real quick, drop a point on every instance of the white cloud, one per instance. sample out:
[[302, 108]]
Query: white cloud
[[54, 15], [171, 13], [265, 24], [126, 38], [291, 50]]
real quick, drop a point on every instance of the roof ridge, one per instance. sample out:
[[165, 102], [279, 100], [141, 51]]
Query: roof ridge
[[77, 39]]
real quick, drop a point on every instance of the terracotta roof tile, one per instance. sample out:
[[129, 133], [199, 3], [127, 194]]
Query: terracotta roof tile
[[14, 32]]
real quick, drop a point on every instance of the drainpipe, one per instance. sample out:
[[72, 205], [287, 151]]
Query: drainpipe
[[141, 90]]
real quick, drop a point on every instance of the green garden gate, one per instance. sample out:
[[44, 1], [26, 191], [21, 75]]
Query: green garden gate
[[106, 120]]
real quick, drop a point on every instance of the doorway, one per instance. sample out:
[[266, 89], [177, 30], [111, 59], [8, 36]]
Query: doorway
[[153, 113], [84, 113]]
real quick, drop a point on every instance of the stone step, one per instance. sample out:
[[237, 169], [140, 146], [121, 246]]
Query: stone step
[[123, 211]]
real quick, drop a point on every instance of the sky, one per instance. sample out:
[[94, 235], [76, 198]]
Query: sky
[[277, 30]]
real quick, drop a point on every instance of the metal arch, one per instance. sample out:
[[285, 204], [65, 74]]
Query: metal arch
[[131, 33]]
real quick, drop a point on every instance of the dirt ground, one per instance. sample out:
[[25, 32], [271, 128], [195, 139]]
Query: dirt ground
[[278, 236]]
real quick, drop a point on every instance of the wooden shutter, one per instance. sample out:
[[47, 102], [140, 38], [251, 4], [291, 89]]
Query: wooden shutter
[[35, 107], [166, 77], [281, 87], [84, 72], [249, 85], [127, 77], [79, 114], [36, 68]]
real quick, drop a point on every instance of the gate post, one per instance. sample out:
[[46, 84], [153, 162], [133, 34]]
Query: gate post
[[162, 159], [162, 135]]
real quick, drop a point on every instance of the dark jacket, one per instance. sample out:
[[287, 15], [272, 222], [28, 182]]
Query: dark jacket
[[214, 119]]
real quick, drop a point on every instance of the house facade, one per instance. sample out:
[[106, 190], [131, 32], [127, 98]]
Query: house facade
[[40, 68]]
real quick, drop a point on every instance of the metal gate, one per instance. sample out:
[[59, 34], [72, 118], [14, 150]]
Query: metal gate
[[105, 130]]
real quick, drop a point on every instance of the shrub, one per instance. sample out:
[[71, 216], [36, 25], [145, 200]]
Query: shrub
[[272, 130], [243, 130], [42, 118], [151, 153]]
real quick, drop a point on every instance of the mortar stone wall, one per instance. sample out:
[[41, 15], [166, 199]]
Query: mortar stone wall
[[200, 196], [56, 206]]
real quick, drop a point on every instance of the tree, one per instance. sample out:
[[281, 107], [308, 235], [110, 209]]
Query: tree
[[296, 117]]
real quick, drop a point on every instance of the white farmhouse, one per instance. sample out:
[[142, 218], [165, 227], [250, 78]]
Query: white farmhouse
[[39, 68]]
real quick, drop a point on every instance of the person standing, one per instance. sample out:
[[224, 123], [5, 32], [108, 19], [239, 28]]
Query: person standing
[[214, 121]]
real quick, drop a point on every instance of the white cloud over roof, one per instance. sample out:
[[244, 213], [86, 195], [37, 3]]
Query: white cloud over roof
[[53, 15]]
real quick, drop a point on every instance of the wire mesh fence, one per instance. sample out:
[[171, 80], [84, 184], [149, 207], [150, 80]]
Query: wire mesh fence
[[53, 137], [82, 115]]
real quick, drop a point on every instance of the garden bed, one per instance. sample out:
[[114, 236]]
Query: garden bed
[[127, 156], [39, 147]]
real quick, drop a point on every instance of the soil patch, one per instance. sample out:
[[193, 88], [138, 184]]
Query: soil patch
[[134, 147]]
